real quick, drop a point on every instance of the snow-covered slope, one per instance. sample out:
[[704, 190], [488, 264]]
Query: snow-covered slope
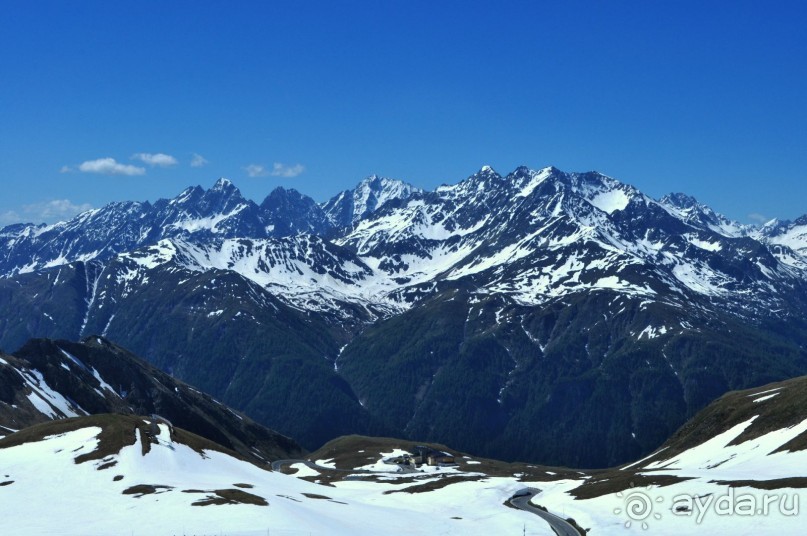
[[688, 209], [723, 473], [29, 398], [738, 467], [109, 475], [788, 240], [305, 271]]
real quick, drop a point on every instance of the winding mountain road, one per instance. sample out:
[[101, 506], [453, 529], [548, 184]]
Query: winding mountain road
[[521, 500], [558, 524]]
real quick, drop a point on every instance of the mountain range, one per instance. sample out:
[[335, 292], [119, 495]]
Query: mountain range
[[563, 318]]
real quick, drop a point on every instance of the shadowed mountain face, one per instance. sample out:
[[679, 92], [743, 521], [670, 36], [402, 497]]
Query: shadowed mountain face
[[47, 380], [500, 314], [745, 417]]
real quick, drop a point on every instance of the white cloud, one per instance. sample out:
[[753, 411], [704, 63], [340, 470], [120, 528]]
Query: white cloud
[[109, 166], [198, 160], [156, 159], [282, 170], [66, 169], [256, 170], [10, 217], [46, 211], [757, 217], [278, 170]]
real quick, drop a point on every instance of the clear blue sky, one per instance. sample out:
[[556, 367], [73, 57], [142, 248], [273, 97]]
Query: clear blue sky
[[706, 97]]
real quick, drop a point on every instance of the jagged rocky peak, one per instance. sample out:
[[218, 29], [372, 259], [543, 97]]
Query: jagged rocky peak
[[679, 200], [374, 191], [188, 195], [485, 173], [689, 210], [484, 180], [519, 177], [224, 188], [520, 171], [776, 226], [16, 229], [279, 193], [286, 212], [487, 170], [524, 175], [286, 197], [224, 185], [223, 197], [349, 206], [520, 174]]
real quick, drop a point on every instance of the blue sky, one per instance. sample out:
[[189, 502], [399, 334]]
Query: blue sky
[[103, 101]]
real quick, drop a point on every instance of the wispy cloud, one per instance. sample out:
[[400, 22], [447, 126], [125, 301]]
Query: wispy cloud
[[198, 160], [156, 159], [282, 170], [9, 217], [46, 211], [106, 166], [757, 217], [256, 170], [278, 170]]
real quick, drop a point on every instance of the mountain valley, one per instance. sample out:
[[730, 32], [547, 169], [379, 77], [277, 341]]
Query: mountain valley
[[470, 315]]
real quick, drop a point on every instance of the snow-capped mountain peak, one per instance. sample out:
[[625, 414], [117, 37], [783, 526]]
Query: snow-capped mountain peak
[[679, 200], [689, 210], [487, 170], [350, 206], [222, 195], [223, 184], [532, 234]]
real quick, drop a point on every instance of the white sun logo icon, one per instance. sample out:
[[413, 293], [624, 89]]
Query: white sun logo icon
[[638, 507]]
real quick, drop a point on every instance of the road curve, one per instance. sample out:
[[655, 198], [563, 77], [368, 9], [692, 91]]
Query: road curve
[[558, 524]]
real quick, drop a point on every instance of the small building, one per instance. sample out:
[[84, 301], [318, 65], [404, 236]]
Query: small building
[[440, 458], [430, 456]]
